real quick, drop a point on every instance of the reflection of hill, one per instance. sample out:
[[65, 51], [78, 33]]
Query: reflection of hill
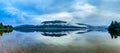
[[50, 32], [54, 34], [46, 30], [58, 32]]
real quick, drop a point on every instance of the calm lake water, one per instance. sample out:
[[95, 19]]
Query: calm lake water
[[78, 41]]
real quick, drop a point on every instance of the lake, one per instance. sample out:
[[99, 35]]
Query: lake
[[79, 41]]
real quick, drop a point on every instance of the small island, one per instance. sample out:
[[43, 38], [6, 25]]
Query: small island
[[5, 28], [114, 26], [114, 29]]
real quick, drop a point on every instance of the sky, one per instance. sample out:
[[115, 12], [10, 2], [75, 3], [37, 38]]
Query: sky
[[92, 12]]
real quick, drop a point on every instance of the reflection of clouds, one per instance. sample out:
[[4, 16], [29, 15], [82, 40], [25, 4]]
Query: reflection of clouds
[[17, 40], [85, 40], [90, 39], [63, 40]]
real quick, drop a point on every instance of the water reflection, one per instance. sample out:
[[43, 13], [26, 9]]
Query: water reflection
[[53, 33], [5, 31], [114, 33], [56, 33], [57, 41], [64, 32]]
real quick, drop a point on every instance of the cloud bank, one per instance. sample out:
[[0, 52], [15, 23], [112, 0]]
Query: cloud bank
[[91, 12]]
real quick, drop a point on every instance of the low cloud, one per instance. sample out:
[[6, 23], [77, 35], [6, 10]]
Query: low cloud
[[78, 14]]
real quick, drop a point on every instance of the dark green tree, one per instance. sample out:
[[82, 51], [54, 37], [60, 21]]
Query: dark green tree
[[1, 25]]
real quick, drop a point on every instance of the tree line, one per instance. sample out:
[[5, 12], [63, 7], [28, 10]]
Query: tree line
[[5, 27]]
